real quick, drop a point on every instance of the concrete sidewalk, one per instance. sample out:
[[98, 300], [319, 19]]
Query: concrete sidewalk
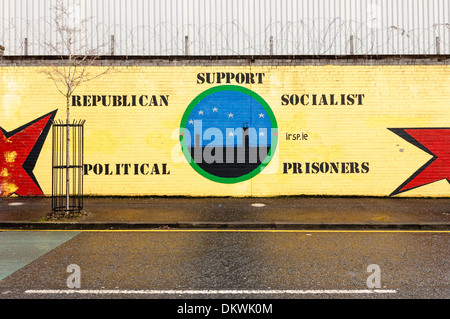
[[233, 213]]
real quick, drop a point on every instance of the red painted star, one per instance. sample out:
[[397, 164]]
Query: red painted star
[[19, 151], [434, 141]]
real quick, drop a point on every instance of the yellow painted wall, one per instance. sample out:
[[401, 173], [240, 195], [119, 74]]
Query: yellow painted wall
[[394, 97]]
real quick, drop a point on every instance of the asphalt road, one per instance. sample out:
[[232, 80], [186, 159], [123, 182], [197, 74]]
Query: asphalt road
[[224, 264]]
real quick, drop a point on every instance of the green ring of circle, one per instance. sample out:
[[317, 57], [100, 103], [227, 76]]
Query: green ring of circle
[[228, 180]]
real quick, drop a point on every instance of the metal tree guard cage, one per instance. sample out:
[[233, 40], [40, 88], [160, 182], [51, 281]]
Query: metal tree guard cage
[[67, 167]]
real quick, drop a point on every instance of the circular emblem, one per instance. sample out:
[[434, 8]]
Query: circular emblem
[[228, 134]]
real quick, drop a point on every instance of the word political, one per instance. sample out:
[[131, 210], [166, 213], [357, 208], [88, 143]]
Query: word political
[[120, 100], [126, 169], [322, 99]]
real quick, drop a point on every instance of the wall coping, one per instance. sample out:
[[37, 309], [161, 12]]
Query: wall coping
[[278, 60]]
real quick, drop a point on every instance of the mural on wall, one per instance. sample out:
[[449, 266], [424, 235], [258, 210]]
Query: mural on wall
[[264, 130], [228, 134], [434, 141], [19, 151]]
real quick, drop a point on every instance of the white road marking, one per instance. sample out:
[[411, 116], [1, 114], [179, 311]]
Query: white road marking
[[258, 205], [15, 204], [209, 291]]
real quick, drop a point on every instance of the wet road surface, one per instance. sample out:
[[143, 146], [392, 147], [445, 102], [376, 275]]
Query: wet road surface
[[224, 264]]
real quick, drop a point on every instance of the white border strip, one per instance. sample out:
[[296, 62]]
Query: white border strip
[[209, 292]]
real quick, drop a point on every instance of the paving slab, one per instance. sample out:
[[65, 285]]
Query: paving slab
[[225, 212]]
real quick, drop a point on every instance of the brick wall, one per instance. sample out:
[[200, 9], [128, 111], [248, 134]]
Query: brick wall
[[377, 126]]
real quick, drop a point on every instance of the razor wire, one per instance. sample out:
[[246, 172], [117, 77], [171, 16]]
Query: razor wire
[[303, 37]]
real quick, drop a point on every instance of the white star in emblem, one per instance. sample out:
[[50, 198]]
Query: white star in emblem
[[191, 122], [200, 112], [230, 115], [214, 109], [261, 134], [261, 115], [231, 134]]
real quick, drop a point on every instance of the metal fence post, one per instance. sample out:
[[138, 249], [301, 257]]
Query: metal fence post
[[25, 46], [112, 44], [352, 48], [438, 45], [186, 45], [271, 45]]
